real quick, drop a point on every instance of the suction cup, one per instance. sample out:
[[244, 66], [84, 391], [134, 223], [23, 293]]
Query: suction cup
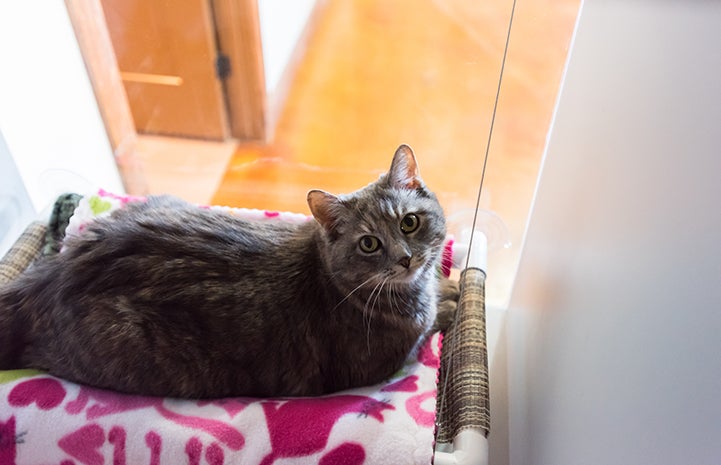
[[488, 222]]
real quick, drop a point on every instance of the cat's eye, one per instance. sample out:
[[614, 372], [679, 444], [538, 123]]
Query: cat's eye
[[369, 244], [409, 223]]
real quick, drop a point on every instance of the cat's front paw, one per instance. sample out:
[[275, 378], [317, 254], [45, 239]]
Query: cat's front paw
[[449, 293]]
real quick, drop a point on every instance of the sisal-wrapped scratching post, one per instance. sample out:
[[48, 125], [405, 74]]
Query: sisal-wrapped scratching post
[[463, 397]]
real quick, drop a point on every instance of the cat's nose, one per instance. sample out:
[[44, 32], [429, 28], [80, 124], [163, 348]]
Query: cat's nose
[[405, 262]]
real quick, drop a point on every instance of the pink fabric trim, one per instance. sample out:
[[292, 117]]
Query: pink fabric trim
[[447, 260]]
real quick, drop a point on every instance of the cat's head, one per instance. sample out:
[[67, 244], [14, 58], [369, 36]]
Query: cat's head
[[392, 229]]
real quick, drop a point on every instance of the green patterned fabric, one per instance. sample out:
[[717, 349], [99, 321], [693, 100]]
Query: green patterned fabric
[[62, 211], [12, 375]]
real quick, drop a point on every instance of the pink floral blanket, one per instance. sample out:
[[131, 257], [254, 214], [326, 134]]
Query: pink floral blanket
[[46, 420]]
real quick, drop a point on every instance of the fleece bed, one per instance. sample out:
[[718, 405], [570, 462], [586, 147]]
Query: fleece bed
[[46, 420]]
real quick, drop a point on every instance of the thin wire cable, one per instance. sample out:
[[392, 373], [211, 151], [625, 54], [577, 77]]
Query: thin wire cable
[[480, 191], [490, 131]]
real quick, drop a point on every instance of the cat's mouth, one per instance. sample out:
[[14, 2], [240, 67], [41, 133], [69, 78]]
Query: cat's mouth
[[402, 274]]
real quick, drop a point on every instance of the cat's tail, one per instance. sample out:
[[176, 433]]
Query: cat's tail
[[12, 327]]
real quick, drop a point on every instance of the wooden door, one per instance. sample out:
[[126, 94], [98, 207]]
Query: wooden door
[[166, 52]]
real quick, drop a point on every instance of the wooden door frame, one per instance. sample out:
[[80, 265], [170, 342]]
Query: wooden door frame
[[94, 41], [238, 34], [237, 24]]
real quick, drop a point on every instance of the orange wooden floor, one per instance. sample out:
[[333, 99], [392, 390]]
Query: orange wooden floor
[[424, 72]]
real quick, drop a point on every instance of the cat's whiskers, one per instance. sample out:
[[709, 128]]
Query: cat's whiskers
[[392, 294], [402, 307], [354, 290], [365, 312], [435, 248], [404, 302], [377, 290], [374, 296], [389, 293], [432, 252]]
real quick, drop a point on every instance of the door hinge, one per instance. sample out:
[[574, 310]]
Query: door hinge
[[222, 66]]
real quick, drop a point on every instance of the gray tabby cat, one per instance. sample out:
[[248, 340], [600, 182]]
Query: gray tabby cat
[[166, 299]]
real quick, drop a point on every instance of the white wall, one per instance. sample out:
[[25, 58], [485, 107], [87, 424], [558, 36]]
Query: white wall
[[48, 113], [16, 211], [284, 27], [614, 330], [281, 26]]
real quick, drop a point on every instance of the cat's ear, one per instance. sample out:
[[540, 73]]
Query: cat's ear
[[404, 172], [325, 208]]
